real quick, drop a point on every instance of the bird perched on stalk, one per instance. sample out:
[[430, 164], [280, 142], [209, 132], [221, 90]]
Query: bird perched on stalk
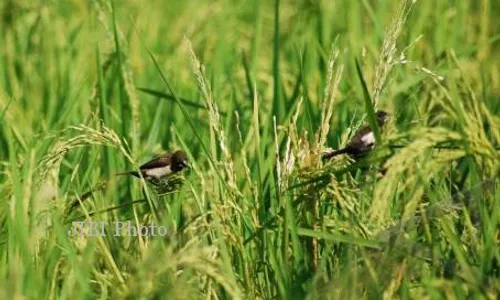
[[161, 167], [362, 142], [162, 171]]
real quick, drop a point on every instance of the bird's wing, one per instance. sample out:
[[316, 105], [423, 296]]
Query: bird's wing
[[158, 162], [357, 141]]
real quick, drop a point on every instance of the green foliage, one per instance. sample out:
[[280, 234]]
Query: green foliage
[[254, 92]]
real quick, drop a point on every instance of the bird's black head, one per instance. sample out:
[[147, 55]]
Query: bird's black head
[[382, 117], [179, 161]]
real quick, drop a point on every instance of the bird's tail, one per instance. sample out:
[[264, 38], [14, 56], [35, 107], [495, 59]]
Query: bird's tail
[[332, 153], [133, 173]]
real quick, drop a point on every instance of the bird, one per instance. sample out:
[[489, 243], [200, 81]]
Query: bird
[[162, 167], [157, 171], [362, 142]]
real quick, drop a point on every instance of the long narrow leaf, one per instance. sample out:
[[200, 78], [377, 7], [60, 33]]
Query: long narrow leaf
[[370, 110]]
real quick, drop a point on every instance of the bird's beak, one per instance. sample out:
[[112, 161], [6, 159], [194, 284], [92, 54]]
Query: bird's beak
[[186, 164]]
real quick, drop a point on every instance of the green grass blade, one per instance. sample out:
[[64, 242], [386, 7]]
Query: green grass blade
[[369, 108]]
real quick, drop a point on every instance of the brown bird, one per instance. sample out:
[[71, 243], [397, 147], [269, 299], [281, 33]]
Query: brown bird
[[362, 142], [169, 163], [156, 171]]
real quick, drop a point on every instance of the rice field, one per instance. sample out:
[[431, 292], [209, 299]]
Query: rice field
[[254, 92]]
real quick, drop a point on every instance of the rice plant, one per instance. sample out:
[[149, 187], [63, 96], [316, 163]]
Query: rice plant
[[254, 92]]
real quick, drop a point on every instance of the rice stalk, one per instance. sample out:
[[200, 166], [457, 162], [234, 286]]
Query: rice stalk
[[407, 162], [214, 117], [126, 72], [50, 163], [389, 51], [190, 258], [329, 97], [244, 156]]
